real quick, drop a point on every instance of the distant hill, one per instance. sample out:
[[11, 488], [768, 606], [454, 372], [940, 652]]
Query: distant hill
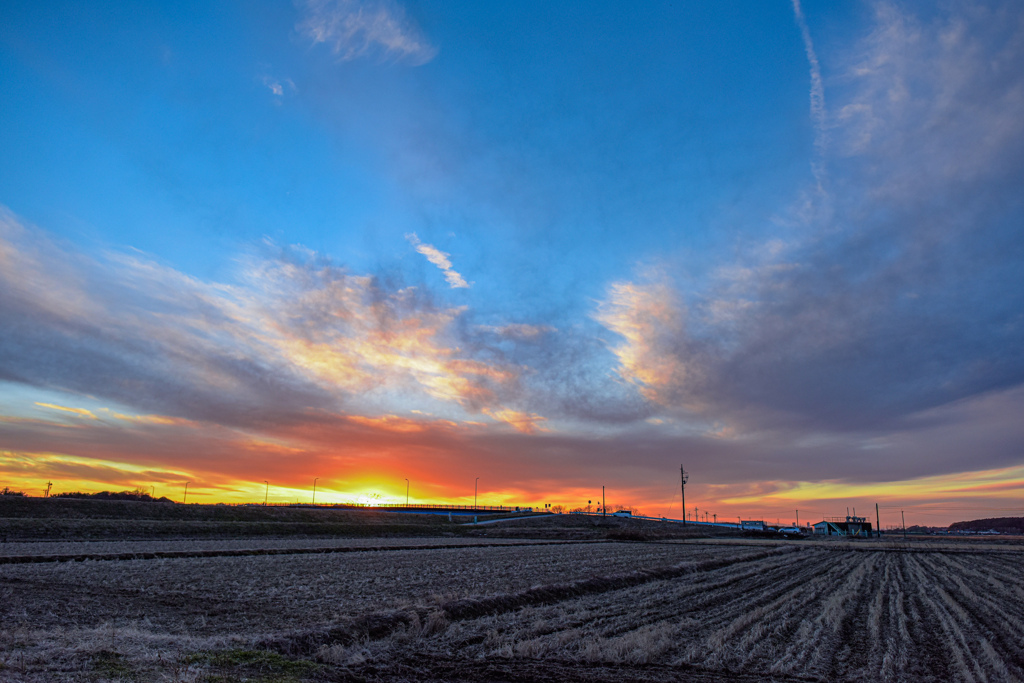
[[136, 495], [1004, 525]]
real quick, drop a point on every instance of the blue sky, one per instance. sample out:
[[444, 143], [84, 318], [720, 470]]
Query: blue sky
[[774, 236], [167, 129]]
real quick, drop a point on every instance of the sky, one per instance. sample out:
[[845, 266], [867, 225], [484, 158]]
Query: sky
[[521, 251]]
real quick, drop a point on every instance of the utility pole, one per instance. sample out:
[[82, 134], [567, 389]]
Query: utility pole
[[716, 518], [878, 524], [314, 489], [475, 485], [152, 491], [797, 519], [186, 492], [48, 485], [685, 477], [266, 494], [604, 508], [406, 493], [904, 524]]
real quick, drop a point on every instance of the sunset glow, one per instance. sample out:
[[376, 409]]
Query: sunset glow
[[554, 248]]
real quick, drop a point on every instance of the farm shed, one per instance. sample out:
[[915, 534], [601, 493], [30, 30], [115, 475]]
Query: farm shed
[[844, 526]]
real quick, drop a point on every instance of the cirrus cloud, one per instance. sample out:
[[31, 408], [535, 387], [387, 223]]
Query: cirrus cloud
[[360, 28], [439, 259]]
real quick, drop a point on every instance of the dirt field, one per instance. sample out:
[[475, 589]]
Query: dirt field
[[501, 609]]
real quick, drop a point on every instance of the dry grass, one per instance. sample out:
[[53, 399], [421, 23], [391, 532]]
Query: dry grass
[[641, 611], [44, 548]]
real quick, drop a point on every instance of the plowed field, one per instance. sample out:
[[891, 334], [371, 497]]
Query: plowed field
[[533, 611]]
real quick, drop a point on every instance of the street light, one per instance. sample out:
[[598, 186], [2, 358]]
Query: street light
[[266, 493], [475, 485], [186, 491], [314, 489], [406, 493]]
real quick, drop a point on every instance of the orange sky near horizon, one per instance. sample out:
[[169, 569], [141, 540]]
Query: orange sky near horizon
[[114, 451]]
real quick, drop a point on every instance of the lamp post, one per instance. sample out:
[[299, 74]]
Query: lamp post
[[406, 493], [314, 489], [186, 491], [266, 493], [475, 485]]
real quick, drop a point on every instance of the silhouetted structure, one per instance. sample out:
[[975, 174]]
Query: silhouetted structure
[[844, 526]]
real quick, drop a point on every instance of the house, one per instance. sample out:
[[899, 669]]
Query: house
[[858, 527]]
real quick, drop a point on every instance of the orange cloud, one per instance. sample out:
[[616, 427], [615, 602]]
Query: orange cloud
[[77, 411], [394, 423], [527, 423], [152, 419], [650, 319]]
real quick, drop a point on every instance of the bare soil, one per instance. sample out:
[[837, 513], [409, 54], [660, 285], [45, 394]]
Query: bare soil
[[576, 604]]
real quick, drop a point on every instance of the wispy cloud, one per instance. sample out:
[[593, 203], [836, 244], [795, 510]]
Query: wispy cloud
[[651, 320], [361, 28], [278, 87], [439, 259], [755, 474], [77, 411], [295, 334], [527, 423], [904, 297], [818, 114], [517, 330]]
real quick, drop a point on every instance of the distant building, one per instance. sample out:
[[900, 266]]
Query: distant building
[[844, 526], [756, 524]]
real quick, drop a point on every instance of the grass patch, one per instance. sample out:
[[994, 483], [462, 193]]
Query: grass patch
[[111, 665], [263, 666]]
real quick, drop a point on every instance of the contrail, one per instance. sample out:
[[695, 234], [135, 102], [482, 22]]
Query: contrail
[[817, 89]]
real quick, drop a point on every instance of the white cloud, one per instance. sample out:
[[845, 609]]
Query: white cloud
[[517, 330], [817, 88], [439, 259], [274, 86], [277, 87], [653, 355], [294, 334], [356, 29], [895, 294]]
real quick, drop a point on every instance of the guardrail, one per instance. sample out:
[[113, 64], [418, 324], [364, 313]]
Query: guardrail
[[460, 508], [469, 509]]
